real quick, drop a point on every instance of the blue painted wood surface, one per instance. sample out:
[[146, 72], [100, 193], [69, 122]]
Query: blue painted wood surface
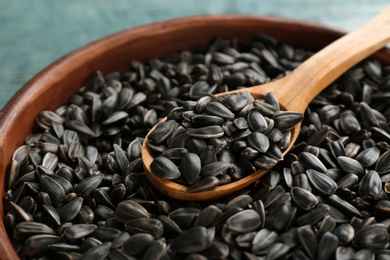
[[34, 33]]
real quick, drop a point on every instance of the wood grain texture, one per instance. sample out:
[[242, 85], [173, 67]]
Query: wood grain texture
[[36, 33]]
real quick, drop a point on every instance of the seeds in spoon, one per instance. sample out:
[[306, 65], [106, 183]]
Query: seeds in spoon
[[256, 134]]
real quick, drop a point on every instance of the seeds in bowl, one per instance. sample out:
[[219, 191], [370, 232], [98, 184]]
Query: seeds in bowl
[[77, 188], [232, 136]]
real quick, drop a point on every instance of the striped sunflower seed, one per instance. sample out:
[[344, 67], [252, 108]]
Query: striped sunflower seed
[[164, 168], [213, 131], [303, 198], [286, 120]]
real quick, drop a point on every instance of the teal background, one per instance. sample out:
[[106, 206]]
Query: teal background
[[34, 33]]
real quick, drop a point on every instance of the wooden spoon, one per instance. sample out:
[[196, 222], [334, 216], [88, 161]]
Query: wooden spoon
[[294, 92]]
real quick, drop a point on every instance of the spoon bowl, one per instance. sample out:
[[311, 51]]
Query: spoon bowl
[[294, 92]]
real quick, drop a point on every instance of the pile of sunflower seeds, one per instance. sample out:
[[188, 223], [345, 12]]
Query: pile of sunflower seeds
[[212, 141], [77, 190]]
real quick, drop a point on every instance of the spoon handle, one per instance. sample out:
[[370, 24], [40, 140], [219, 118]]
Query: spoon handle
[[321, 69]]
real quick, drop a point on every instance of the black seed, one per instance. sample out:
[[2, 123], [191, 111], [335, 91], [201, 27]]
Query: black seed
[[285, 120], [321, 182], [244, 221], [193, 240], [311, 162], [162, 131], [327, 246], [88, 185], [303, 198], [190, 167], [218, 109], [370, 185], [205, 184], [164, 168], [213, 131], [258, 141], [374, 236]]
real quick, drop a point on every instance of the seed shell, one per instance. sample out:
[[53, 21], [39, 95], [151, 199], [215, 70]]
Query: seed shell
[[213, 131], [164, 168]]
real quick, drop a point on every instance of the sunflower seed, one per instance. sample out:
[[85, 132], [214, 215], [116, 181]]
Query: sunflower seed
[[102, 197], [85, 215], [337, 148], [184, 217], [327, 246], [344, 205], [50, 161], [80, 127], [213, 131], [258, 141], [155, 250], [321, 182], [103, 213], [88, 185], [214, 168], [70, 210], [106, 234], [348, 181], [348, 122], [207, 216], [368, 157], [373, 236], [277, 250], [350, 165], [370, 185], [364, 254], [171, 229], [279, 216], [121, 157], [265, 162], [129, 209], [301, 180], [164, 168], [66, 185], [308, 240], [78, 231], [312, 162], [145, 225], [263, 239], [382, 165], [53, 188], [162, 131], [345, 233], [313, 216], [303, 198], [193, 240], [63, 247], [286, 120], [271, 179], [244, 221], [99, 252], [38, 245], [24, 230], [190, 167], [218, 109]]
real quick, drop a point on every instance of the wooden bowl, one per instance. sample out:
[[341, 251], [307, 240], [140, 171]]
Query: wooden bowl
[[54, 85]]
